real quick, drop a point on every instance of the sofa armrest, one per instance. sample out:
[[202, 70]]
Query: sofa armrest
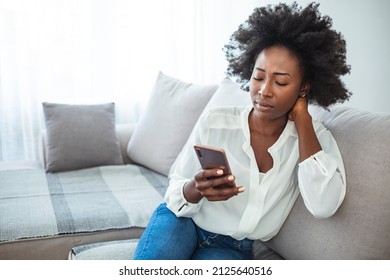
[[124, 133], [18, 164]]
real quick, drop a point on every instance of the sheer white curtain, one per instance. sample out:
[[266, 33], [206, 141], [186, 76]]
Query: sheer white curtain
[[93, 51]]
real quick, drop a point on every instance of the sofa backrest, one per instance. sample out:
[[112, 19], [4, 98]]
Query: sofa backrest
[[360, 228]]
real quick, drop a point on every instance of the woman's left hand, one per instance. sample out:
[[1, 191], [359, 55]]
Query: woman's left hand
[[308, 141], [300, 107]]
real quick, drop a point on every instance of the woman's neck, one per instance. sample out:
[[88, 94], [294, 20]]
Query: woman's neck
[[266, 127]]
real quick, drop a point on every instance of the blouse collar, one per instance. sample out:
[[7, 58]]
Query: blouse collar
[[289, 129]]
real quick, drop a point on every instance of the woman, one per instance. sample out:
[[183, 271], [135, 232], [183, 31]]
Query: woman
[[289, 56]]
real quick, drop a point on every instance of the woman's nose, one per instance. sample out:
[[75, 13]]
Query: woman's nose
[[265, 90]]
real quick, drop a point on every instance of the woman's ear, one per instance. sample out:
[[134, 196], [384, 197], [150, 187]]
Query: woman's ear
[[305, 89]]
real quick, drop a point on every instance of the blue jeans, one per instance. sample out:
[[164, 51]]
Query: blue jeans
[[168, 237]]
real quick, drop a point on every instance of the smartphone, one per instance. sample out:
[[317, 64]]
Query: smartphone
[[211, 158]]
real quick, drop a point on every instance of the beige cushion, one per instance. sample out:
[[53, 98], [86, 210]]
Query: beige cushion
[[229, 94], [170, 115], [360, 228], [80, 136]]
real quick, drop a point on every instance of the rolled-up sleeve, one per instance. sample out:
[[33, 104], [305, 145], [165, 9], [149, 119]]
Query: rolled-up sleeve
[[321, 178]]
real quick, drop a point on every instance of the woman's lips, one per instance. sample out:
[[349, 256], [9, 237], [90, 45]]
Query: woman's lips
[[263, 105]]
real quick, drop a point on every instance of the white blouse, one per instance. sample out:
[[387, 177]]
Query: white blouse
[[260, 211]]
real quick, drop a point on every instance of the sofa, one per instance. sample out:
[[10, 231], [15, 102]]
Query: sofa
[[80, 202]]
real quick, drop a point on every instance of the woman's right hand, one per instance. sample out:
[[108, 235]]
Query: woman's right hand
[[205, 184]]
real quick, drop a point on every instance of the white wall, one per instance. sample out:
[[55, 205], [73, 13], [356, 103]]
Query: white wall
[[365, 26], [194, 40]]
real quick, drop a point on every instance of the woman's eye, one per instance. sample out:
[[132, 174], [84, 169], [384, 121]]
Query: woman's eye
[[257, 79], [281, 84]]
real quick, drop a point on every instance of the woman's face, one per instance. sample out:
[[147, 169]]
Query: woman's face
[[276, 82]]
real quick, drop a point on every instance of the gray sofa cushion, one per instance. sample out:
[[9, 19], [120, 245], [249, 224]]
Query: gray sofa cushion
[[80, 136], [110, 250], [360, 229]]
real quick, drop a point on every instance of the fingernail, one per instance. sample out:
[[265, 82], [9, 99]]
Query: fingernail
[[231, 178], [241, 189], [220, 172]]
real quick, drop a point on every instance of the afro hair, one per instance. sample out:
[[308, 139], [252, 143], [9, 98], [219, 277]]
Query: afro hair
[[304, 31]]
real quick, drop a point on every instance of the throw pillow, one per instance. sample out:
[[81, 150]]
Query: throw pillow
[[229, 94], [80, 136], [170, 115]]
